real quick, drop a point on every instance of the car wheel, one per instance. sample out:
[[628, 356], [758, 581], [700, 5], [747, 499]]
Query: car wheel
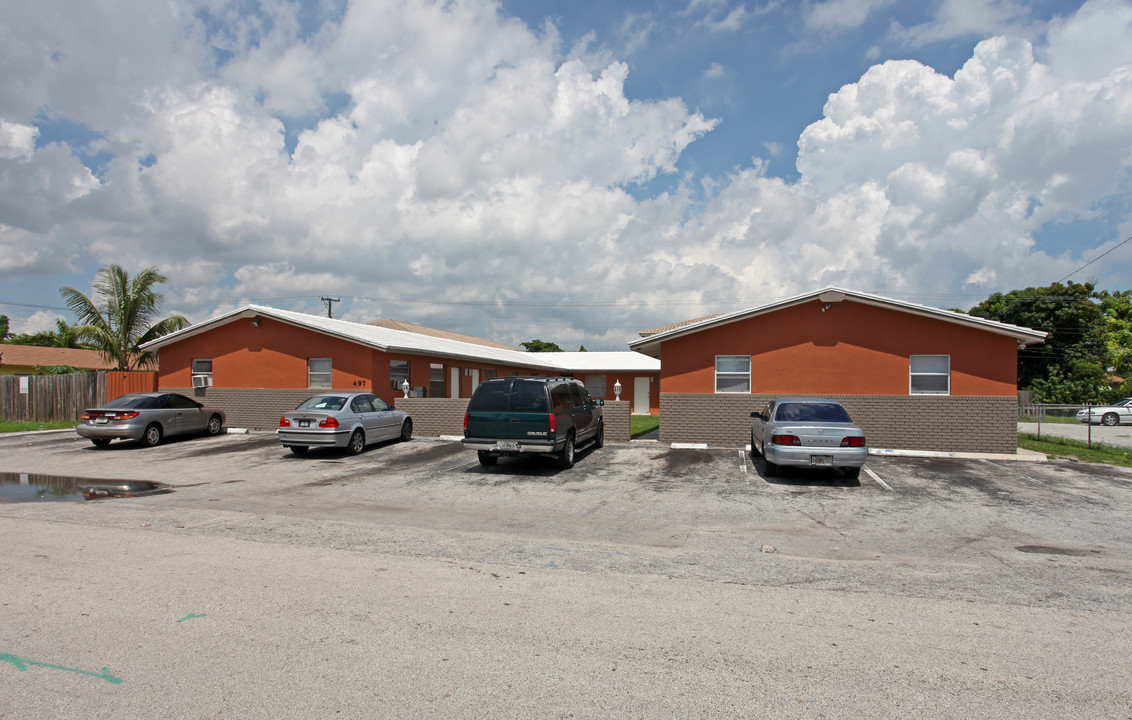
[[152, 435], [214, 425], [299, 449], [100, 442], [486, 458], [771, 468], [599, 439], [566, 457], [357, 442], [1110, 419], [852, 473], [407, 430]]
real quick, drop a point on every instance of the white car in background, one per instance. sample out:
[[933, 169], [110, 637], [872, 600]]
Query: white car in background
[[1115, 414]]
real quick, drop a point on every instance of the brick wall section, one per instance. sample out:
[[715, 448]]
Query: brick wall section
[[444, 416], [252, 408], [617, 415], [435, 416], [916, 422]]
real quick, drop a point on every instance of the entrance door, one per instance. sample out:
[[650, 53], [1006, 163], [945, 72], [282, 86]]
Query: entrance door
[[454, 386], [641, 395], [475, 379]]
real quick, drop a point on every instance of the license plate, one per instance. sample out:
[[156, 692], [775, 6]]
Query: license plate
[[821, 460], [507, 446], [304, 423], [101, 420]]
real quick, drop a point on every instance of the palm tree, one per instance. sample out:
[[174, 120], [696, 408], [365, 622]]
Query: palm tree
[[124, 316]]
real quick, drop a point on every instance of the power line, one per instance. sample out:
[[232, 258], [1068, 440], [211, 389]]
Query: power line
[[1098, 257]]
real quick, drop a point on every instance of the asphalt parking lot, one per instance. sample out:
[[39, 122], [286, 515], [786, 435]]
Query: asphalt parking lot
[[932, 587]]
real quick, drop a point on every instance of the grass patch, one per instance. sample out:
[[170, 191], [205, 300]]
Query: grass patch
[[7, 426], [1057, 447], [641, 424], [1059, 419]]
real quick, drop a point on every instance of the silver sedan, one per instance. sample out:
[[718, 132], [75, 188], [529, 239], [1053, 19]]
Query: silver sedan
[[148, 417], [342, 420], [808, 432]]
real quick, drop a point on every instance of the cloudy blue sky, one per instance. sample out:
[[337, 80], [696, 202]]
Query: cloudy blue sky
[[573, 170]]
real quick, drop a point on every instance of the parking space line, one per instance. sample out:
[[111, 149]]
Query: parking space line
[[874, 476], [743, 467]]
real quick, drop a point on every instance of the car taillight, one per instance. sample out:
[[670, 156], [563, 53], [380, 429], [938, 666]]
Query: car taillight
[[284, 422], [553, 423], [465, 422], [89, 415], [328, 423], [785, 440], [853, 442], [125, 416]]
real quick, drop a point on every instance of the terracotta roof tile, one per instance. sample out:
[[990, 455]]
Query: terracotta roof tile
[[32, 356], [673, 326], [391, 324]]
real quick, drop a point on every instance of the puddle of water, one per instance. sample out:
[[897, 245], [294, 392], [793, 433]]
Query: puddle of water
[[30, 487]]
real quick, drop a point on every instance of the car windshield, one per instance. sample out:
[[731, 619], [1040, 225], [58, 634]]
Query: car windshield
[[133, 402], [812, 412], [323, 402]]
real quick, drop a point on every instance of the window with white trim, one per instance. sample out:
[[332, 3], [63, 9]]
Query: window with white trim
[[319, 372], [733, 373], [929, 375], [202, 373]]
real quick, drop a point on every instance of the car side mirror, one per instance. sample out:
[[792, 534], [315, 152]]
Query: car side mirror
[[756, 415]]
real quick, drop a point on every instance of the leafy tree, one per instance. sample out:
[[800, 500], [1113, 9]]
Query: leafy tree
[[56, 370], [540, 346], [4, 328], [1072, 365], [43, 338], [123, 316], [1116, 308], [582, 348]]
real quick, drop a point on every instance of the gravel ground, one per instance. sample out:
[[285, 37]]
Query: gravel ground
[[646, 582]]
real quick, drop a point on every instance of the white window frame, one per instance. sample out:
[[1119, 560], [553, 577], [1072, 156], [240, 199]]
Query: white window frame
[[913, 374], [732, 375], [201, 376], [312, 374]]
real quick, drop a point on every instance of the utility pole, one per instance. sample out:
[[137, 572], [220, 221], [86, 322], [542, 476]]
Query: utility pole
[[330, 305]]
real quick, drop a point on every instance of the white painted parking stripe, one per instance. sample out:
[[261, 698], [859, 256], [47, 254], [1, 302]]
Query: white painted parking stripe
[[743, 466], [874, 476]]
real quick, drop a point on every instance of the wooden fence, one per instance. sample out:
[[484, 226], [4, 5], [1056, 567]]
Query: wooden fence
[[40, 398]]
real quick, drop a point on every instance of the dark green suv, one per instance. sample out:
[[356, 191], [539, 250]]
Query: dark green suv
[[517, 415]]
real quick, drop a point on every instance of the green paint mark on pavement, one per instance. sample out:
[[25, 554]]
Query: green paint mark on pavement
[[191, 616], [22, 665]]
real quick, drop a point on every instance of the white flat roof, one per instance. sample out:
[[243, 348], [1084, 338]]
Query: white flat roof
[[410, 343]]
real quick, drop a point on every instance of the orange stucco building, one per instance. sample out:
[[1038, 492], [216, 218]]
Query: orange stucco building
[[258, 362], [915, 377]]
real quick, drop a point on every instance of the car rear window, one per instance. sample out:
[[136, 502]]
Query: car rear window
[[323, 402], [812, 412], [513, 396], [133, 402]]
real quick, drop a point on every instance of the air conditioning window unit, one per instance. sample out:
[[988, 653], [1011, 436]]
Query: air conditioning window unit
[[201, 381]]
